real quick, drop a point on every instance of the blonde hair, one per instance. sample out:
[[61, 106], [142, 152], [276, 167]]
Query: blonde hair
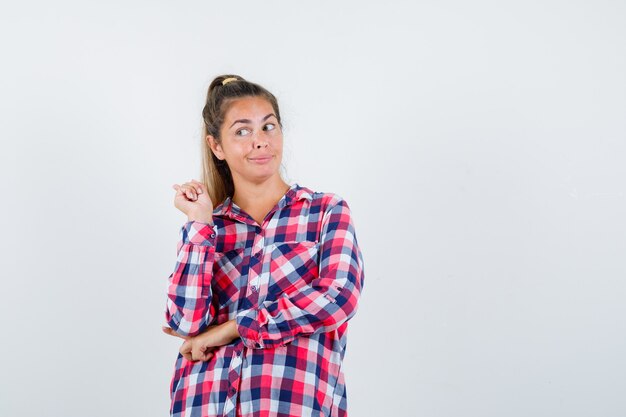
[[216, 174]]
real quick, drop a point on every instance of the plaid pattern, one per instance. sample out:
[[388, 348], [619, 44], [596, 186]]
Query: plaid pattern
[[291, 285]]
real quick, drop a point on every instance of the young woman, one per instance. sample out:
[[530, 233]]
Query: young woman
[[267, 275]]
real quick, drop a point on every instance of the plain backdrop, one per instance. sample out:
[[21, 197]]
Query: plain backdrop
[[480, 145]]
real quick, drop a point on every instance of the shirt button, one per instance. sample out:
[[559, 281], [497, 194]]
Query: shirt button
[[253, 288], [257, 255], [212, 234]]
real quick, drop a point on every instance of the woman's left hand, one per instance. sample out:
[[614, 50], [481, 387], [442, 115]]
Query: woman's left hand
[[201, 346]]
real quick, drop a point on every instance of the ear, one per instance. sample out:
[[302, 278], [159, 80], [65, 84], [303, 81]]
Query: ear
[[215, 147]]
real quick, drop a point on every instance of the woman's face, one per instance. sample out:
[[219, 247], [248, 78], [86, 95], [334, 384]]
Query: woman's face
[[252, 141]]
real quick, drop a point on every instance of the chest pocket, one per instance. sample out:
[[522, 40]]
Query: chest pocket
[[293, 265], [228, 275]]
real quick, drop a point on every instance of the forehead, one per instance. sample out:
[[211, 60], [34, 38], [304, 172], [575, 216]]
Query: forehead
[[248, 108]]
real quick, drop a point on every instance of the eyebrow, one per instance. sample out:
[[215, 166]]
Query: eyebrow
[[250, 121]]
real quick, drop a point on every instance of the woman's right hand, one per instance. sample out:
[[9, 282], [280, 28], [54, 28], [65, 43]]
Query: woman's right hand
[[192, 198]]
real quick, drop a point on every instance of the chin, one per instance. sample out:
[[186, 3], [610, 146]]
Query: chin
[[265, 175]]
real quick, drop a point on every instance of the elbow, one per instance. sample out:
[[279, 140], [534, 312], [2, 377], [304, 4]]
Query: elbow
[[184, 328], [346, 298], [348, 309], [187, 325], [334, 319], [181, 327], [351, 310], [344, 291], [342, 307]]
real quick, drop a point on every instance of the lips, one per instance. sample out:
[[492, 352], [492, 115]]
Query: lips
[[261, 159]]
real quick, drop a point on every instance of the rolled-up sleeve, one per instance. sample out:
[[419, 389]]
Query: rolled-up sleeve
[[326, 302], [189, 307]]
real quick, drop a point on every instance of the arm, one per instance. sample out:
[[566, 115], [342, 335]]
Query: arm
[[189, 309], [323, 305]]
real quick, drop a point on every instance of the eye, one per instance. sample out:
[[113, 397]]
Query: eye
[[270, 126], [239, 132]]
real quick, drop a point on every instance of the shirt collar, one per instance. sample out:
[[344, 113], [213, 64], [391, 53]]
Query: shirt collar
[[295, 193]]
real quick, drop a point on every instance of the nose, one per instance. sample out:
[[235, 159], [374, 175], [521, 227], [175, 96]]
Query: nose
[[259, 142]]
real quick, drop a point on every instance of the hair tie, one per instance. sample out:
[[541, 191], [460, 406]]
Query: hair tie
[[227, 80]]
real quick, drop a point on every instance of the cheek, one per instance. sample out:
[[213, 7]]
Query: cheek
[[277, 142]]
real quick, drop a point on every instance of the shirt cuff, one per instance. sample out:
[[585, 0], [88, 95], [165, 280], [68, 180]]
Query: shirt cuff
[[199, 233], [249, 329]]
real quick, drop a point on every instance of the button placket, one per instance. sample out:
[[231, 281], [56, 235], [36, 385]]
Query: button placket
[[264, 275], [234, 376], [254, 284], [257, 249]]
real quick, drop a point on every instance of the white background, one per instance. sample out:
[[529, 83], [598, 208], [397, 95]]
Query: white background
[[480, 145]]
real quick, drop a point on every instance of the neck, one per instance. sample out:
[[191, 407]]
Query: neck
[[249, 195]]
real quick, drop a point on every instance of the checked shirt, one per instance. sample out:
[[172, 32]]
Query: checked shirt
[[291, 283]]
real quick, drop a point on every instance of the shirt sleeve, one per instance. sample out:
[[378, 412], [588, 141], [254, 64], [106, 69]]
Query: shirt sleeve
[[323, 305], [189, 309]]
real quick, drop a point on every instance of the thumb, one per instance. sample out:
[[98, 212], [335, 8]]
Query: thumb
[[171, 332]]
